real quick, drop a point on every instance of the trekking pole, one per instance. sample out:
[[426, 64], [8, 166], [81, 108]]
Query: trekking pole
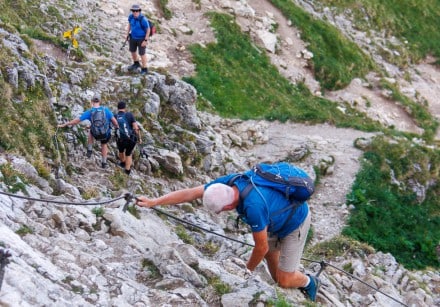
[[125, 42], [4, 255]]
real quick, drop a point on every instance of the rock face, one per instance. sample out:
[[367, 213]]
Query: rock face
[[99, 255]]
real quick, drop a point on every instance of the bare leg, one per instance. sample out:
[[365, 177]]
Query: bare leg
[[284, 279], [128, 160], [90, 139], [144, 60], [272, 259], [134, 56], [294, 279], [104, 150], [122, 157]]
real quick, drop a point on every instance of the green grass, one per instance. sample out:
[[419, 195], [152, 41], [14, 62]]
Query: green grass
[[27, 18], [239, 80], [336, 59], [414, 21], [389, 216]]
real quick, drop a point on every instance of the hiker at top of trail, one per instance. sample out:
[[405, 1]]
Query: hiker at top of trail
[[279, 222], [100, 128], [138, 32], [126, 136]]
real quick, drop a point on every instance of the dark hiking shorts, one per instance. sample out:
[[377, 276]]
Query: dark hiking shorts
[[126, 146], [104, 141], [135, 44]]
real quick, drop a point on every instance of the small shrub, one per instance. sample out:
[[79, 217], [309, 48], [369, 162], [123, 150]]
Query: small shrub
[[14, 180], [219, 286], [90, 192], [184, 235], [338, 246], [24, 230], [151, 268], [98, 211], [209, 248]]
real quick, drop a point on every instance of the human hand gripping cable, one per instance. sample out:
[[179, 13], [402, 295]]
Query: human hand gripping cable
[[146, 202]]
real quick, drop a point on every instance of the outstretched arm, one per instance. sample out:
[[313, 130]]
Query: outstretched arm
[[172, 198], [70, 123]]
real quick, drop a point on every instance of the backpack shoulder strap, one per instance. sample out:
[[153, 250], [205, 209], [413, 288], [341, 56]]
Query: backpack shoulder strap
[[246, 190], [142, 25]]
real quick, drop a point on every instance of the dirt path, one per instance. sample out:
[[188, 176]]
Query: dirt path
[[324, 142], [295, 68], [168, 51], [288, 59], [425, 83]]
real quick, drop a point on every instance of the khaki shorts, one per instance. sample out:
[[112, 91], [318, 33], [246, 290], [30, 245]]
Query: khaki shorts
[[291, 247]]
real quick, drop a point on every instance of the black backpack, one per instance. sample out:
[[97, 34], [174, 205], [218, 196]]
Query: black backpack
[[100, 125], [125, 131]]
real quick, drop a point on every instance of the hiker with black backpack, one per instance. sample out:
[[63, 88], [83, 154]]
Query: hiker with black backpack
[[271, 199], [138, 33], [127, 135], [100, 128]]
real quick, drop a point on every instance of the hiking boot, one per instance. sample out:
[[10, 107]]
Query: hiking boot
[[144, 71], [122, 164], [135, 66], [104, 164], [311, 290], [89, 153]]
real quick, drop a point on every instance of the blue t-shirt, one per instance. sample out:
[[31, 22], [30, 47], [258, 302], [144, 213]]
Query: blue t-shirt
[[87, 115], [264, 207], [138, 26]]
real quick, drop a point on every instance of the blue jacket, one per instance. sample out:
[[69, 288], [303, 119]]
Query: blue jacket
[[138, 26], [261, 208]]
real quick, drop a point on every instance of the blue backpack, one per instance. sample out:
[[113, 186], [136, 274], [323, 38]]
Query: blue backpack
[[291, 181]]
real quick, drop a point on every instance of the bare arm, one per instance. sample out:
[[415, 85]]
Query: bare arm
[[136, 131], [70, 123], [115, 122], [172, 198], [260, 250], [128, 31]]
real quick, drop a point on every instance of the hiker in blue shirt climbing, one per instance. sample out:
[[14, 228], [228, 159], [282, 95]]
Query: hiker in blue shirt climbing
[[138, 32], [279, 225], [100, 129]]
